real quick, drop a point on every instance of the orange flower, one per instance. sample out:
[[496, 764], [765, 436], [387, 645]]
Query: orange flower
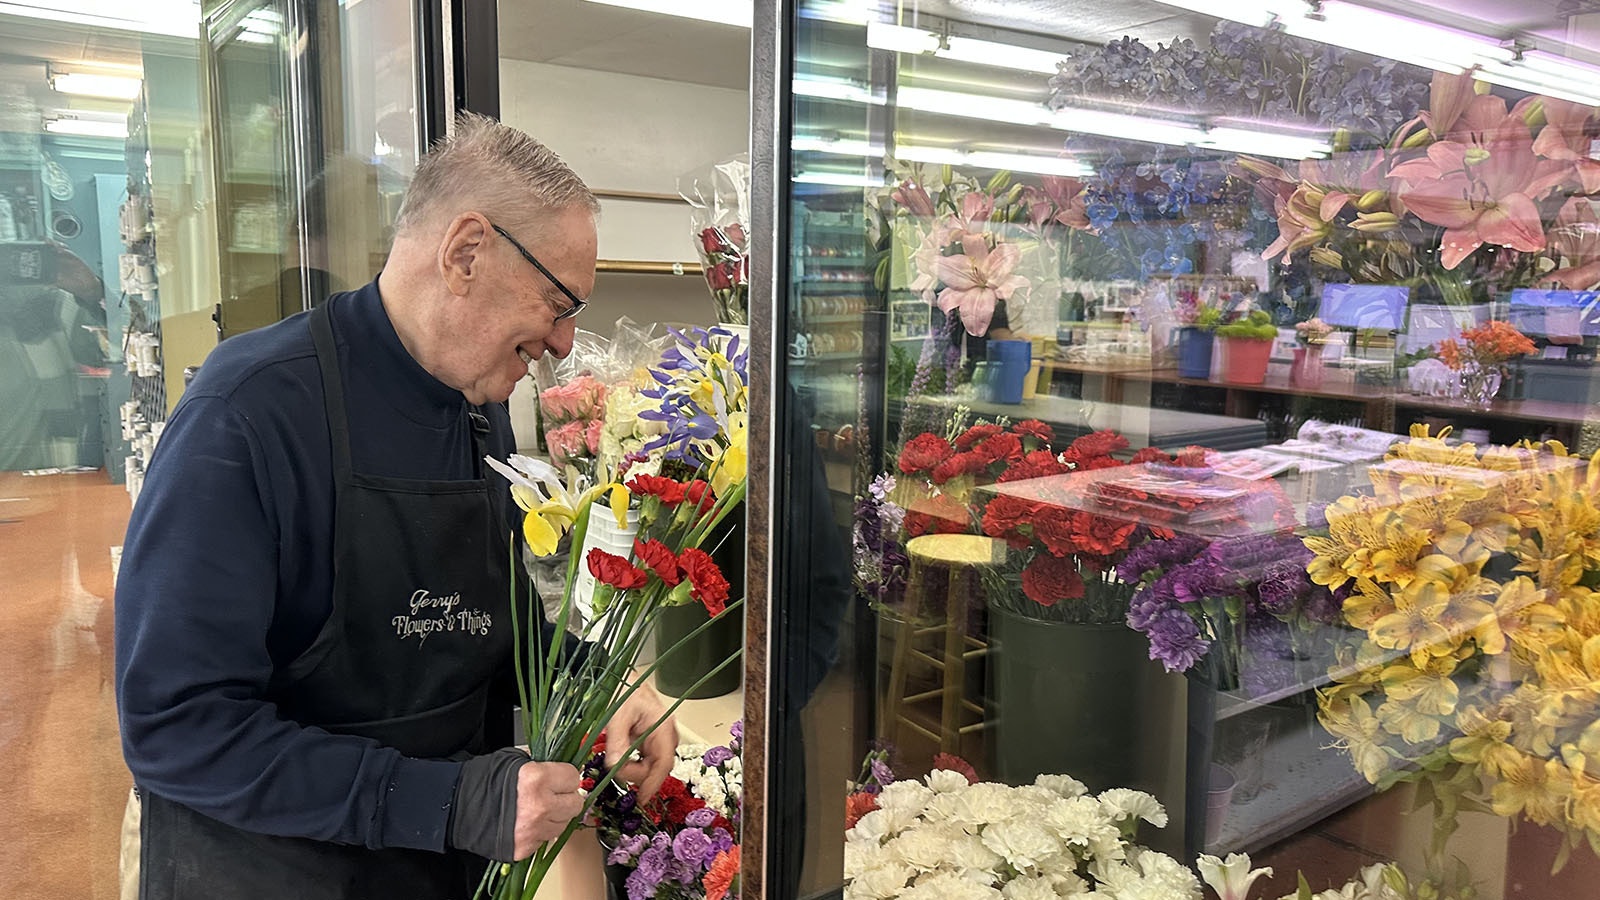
[[722, 874]]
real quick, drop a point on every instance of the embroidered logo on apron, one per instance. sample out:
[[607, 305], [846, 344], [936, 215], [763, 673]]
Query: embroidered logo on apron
[[430, 614]]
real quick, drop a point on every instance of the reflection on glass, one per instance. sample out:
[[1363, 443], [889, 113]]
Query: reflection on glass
[[1215, 414]]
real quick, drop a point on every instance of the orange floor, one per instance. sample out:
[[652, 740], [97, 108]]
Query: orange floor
[[65, 787]]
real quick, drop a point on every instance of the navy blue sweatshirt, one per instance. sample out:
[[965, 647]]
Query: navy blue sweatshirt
[[227, 575]]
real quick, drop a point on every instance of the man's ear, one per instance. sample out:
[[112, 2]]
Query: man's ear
[[461, 251]]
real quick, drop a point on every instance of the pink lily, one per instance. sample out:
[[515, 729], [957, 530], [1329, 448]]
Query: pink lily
[[977, 280], [1575, 240], [1563, 138], [914, 198], [973, 217], [1483, 190], [1061, 201]]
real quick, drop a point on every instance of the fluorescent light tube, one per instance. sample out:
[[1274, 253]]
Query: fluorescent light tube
[[837, 148], [1016, 162], [114, 87], [177, 18], [917, 41], [838, 179], [88, 128], [739, 13]]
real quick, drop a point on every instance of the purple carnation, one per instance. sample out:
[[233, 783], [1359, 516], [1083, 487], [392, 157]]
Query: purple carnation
[[881, 773], [700, 818], [716, 756], [721, 841], [1324, 607], [691, 846], [1175, 641], [1198, 580], [1153, 555], [1282, 583], [736, 730]]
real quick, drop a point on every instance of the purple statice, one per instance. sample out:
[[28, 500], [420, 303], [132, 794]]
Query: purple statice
[[700, 818], [879, 560], [716, 756], [691, 847], [1175, 640]]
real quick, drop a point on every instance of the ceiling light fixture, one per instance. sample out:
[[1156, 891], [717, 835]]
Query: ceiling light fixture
[[176, 18], [90, 84], [983, 159], [1413, 41], [81, 127], [901, 39], [838, 179]]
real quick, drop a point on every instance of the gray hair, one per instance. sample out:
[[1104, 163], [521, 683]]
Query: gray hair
[[494, 169]]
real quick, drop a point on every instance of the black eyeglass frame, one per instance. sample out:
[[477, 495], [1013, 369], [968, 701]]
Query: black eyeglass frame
[[577, 305]]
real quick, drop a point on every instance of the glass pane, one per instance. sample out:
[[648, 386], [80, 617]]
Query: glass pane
[[1208, 408]]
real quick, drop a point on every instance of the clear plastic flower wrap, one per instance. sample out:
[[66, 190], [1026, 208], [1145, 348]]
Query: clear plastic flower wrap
[[719, 197]]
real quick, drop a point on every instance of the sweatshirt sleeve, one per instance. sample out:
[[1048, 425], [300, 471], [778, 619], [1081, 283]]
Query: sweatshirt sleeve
[[195, 598]]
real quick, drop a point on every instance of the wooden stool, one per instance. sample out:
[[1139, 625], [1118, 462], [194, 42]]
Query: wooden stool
[[960, 556]]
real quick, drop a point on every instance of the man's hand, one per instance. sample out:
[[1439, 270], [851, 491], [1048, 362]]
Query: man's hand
[[547, 801], [637, 714]]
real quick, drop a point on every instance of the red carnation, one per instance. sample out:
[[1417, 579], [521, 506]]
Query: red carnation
[[937, 515], [660, 559], [706, 582], [857, 805], [1035, 429], [609, 568], [1005, 514], [999, 447], [968, 463], [1049, 579], [1098, 443], [923, 452], [953, 763], [1152, 455], [976, 435], [700, 495], [670, 492], [1038, 464]]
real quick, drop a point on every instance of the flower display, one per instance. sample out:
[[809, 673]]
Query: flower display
[[682, 844], [950, 835], [1486, 345], [1312, 331], [1467, 573]]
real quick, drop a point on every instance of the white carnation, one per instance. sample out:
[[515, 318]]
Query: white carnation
[[871, 828], [1168, 878], [968, 851], [942, 807], [925, 848], [859, 856], [1065, 785], [1131, 804], [1029, 887], [983, 803], [1066, 882], [911, 795], [1081, 821], [1024, 844], [944, 781], [880, 882], [950, 886]]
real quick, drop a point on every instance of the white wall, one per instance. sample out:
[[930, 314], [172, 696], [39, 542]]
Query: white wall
[[626, 133]]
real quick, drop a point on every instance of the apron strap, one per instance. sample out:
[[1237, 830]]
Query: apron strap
[[332, 392]]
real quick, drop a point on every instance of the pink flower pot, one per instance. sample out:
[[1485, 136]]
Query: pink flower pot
[[1306, 370], [1244, 360]]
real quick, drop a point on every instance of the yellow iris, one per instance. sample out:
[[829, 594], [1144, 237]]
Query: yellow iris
[[732, 465], [553, 505]]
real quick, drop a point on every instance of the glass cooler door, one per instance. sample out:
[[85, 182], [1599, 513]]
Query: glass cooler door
[[1185, 413]]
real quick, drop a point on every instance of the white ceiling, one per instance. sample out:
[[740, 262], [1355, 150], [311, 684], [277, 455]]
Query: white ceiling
[[611, 39]]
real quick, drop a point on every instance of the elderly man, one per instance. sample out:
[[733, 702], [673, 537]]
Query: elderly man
[[312, 612]]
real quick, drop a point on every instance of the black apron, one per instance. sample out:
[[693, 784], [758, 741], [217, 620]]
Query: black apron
[[418, 630]]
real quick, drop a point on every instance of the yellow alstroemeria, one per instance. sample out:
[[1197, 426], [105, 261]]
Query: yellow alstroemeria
[[1483, 742], [1360, 733], [552, 506], [1414, 627]]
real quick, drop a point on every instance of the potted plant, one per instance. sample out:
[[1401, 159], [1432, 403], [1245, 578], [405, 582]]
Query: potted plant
[[1247, 347], [1197, 321], [1310, 335]]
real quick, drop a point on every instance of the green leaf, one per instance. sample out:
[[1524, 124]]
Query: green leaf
[[1305, 889]]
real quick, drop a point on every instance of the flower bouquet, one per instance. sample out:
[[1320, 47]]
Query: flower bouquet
[[1479, 358], [720, 200], [570, 698], [1467, 574], [683, 843]]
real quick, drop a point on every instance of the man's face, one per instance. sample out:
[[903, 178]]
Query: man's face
[[512, 312]]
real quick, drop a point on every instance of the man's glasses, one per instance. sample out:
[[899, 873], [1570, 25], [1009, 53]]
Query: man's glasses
[[577, 305]]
